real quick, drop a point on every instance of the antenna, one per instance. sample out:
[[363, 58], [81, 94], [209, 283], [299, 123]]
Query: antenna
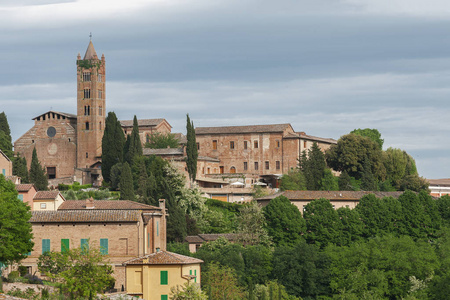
[[90, 36]]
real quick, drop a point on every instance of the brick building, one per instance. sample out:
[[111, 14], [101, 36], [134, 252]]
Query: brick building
[[5, 165], [122, 229]]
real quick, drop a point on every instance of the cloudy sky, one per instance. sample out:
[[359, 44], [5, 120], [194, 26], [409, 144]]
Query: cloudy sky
[[325, 66]]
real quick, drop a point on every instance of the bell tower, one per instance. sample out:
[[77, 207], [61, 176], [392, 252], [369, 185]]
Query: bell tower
[[90, 112]]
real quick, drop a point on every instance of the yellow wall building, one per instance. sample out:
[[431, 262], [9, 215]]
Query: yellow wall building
[[153, 275]]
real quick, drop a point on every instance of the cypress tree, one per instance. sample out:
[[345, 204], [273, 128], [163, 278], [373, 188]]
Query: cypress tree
[[142, 189], [20, 168], [345, 182], [316, 165], [191, 149], [176, 222], [135, 146], [37, 173], [5, 137], [112, 145], [368, 182], [126, 183]]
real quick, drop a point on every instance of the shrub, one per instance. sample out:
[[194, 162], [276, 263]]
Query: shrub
[[22, 271], [33, 279], [13, 276]]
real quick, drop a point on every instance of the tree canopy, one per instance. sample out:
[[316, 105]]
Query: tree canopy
[[37, 173], [372, 134], [161, 141], [112, 145]]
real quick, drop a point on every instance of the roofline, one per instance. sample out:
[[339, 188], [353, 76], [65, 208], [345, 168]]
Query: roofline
[[236, 126], [1, 152], [70, 116]]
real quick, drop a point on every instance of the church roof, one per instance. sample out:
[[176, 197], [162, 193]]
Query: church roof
[[142, 122], [90, 52], [242, 129], [69, 116]]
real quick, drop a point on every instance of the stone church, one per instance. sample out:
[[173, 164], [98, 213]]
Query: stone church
[[69, 146]]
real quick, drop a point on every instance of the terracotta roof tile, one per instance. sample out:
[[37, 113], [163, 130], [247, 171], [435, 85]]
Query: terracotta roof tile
[[164, 151], [71, 216], [331, 195], [242, 129], [42, 195], [439, 182], [142, 122], [106, 205], [24, 187], [163, 258]]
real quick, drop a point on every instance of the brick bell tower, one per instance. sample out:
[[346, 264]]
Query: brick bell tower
[[90, 113]]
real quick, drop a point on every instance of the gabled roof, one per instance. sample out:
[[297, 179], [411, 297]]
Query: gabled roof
[[69, 116], [164, 151], [1, 153], [163, 258], [331, 195], [439, 182], [90, 51], [106, 205], [75, 216], [315, 138], [242, 129], [24, 187], [45, 195], [143, 122]]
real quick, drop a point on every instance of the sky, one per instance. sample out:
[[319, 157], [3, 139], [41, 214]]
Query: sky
[[324, 66]]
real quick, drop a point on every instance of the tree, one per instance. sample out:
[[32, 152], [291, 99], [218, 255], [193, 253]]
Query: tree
[[126, 183], [135, 148], [314, 168], [176, 222], [82, 272], [113, 142], [352, 225], [344, 182], [368, 182], [20, 168], [303, 270], [251, 225], [191, 149], [372, 134], [329, 181], [188, 291], [161, 141], [221, 283], [143, 183], [5, 136], [15, 230], [37, 173], [349, 154], [294, 180], [285, 224]]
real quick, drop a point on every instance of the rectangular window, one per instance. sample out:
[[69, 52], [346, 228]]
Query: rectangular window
[[304, 144], [215, 145], [278, 143], [256, 165], [164, 297], [164, 277], [100, 110], [87, 125], [277, 164], [87, 93], [255, 144], [84, 245], [99, 77], [4, 172], [20, 197], [245, 166], [222, 169], [104, 246], [245, 145], [43, 205], [267, 165], [231, 145], [51, 172], [64, 245], [86, 76], [45, 245], [100, 94], [198, 146]]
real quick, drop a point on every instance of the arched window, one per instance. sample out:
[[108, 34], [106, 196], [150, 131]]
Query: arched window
[[232, 170]]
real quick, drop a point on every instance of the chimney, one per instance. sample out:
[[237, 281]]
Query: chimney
[[162, 204], [90, 203]]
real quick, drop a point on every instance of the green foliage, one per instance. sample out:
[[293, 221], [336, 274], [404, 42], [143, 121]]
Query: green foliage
[[82, 272], [443, 206], [313, 167], [15, 230], [329, 181], [191, 149], [252, 225], [188, 291], [161, 141], [81, 195], [302, 269], [180, 248], [221, 283], [372, 134], [345, 182], [113, 142], [5, 137], [294, 180], [135, 145], [116, 171], [414, 183], [352, 226], [368, 182], [285, 224], [380, 268], [323, 225], [126, 183], [20, 168], [263, 291], [349, 155], [37, 173]]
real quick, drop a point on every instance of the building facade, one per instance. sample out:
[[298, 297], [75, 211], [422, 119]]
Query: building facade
[[5, 165]]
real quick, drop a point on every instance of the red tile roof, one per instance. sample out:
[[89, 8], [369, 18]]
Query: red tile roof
[[439, 182], [77, 216], [43, 195], [106, 204], [242, 129], [331, 195], [142, 122], [163, 258], [24, 187]]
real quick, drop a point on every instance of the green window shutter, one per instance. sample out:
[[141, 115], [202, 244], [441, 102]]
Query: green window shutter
[[84, 245], [65, 245], [45, 245], [4, 172], [164, 297], [104, 246], [20, 197], [195, 274], [164, 277], [190, 272], [148, 240], [157, 228]]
